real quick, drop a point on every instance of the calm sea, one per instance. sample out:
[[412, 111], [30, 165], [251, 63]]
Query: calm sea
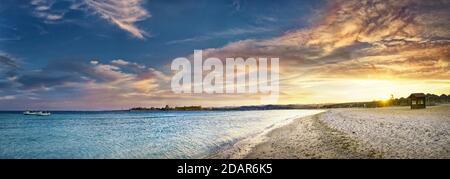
[[191, 134]]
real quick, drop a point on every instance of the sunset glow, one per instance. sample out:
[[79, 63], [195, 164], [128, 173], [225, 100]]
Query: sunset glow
[[330, 51]]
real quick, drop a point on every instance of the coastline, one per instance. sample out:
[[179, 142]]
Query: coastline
[[393, 132], [241, 147]]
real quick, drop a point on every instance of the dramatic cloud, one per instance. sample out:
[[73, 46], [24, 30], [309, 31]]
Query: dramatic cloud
[[352, 40], [353, 50], [408, 39], [123, 13]]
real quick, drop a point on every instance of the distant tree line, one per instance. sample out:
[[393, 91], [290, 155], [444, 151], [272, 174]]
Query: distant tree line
[[431, 100], [168, 108]]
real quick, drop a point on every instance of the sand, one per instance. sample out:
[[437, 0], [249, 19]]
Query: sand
[[395, 132]]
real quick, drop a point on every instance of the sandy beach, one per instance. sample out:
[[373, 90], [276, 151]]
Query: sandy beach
[[394, 132]]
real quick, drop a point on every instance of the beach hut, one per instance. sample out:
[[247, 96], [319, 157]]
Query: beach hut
[[417, 100]]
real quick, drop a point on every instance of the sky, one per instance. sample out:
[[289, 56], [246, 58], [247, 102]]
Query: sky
[[111, 54]]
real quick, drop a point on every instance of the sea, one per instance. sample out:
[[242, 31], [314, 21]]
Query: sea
[[125, 134]]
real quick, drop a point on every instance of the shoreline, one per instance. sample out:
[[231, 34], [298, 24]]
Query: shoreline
[[393, 132], [241, 147]]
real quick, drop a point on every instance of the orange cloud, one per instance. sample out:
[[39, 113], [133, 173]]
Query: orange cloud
[[405, 42]]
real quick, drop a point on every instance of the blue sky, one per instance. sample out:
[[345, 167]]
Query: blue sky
[[174, 29], [115, 54]]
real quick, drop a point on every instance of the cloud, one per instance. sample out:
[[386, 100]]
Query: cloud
[[120, 78], [236, 5], [240, 31], [352, 51], [43, 81], [120, 62], [43, 9], [54, 17], [351, 44], [128, 65], [123, 13], [78, 84], [94, 62], [9, 97], [96, 71], [7, 62], [405, 39], [8, 66], [265, 19], [11, 38], [223, 34]]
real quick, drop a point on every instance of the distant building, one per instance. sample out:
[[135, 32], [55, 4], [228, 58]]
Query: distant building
[[417, 101]]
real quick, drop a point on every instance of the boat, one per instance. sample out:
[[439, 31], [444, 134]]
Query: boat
[[37, 113]]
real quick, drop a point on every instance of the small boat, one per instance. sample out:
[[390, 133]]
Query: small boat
[[37, 113]]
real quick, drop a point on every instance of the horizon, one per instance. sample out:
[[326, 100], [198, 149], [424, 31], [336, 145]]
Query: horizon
[[203, 107], [79, 55]]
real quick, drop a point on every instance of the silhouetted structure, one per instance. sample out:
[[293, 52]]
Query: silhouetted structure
[[417, 101]]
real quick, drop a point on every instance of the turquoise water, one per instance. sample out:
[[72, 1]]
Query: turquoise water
[[132, 134]]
